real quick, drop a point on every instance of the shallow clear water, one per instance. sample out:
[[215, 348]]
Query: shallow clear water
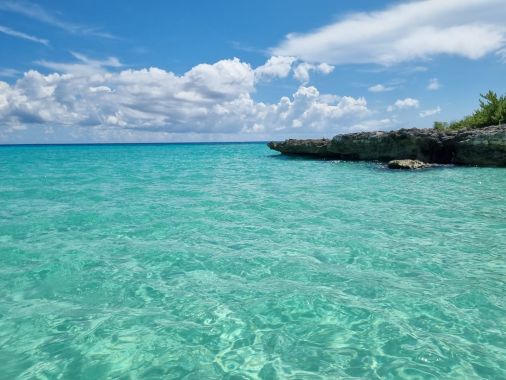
[[232, 262]]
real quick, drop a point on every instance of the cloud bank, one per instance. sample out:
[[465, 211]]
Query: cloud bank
[[405, 32], [208, 99]]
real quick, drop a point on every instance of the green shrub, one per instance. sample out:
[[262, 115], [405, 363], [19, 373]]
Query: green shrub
[[440, 126], [492, 111]]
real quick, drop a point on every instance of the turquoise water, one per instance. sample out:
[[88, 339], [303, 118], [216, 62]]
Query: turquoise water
[[232, 262]]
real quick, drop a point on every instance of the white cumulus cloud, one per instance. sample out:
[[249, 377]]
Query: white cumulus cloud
[[375, 125], [404, 32], [401, 104], [275, 67], [380, 88], [104, 100], [302, 71], [430, 112]]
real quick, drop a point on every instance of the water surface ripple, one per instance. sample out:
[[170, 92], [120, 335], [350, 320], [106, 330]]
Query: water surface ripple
[[231, 262]]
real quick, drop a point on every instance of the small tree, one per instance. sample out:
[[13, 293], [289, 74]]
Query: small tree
[[440, 126], [492, 111]]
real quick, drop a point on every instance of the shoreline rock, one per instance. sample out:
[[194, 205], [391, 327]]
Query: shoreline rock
[[408, 164], [482, 147]]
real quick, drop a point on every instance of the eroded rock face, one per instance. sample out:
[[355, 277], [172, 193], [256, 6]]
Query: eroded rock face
[[484, 146], [416, 144], [407, 164], [302, 147]]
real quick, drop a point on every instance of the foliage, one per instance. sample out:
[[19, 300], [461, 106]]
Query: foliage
[[492, 111], [441, 126]]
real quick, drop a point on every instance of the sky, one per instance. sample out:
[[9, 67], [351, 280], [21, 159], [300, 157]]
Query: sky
[[228, 70]]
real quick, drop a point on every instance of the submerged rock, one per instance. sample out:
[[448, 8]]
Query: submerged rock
[[407, 164], [484, 146]]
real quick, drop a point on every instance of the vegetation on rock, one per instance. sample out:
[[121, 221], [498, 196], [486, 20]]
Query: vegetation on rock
[[492, 111]]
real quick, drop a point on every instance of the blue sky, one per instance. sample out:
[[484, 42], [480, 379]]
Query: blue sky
[[235, 70]]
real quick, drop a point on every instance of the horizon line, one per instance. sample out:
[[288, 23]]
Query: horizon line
[[133, 143]]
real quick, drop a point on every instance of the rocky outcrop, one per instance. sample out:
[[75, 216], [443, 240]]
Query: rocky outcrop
[[484, 146], [407, 164], [302, 147]]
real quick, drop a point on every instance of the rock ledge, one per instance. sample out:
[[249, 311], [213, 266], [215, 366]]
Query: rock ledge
[[483, 147]]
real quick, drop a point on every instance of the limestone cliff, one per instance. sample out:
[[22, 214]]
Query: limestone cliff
[[484, 146]]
